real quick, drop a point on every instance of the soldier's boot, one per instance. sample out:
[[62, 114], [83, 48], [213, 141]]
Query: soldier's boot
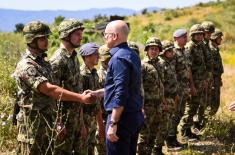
[[158, 151], [173, 144], [189, 136]]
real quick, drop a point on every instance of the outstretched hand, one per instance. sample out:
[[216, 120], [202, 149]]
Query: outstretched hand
[[232, 106]]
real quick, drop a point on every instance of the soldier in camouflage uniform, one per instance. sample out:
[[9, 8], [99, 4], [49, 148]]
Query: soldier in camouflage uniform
[[203, 111], [66, 68], [92, 114], [168, 64], [184, 78], [199, 74], [134, 46], [104, 59], [153, 134], [218, 70], [37, 94]]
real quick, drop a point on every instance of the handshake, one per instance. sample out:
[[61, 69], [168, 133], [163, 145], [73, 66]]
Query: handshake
[[90, 96]]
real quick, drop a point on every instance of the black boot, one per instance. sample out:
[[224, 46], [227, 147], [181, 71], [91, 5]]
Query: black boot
[[189, 136], [158, 151], [173, 144]]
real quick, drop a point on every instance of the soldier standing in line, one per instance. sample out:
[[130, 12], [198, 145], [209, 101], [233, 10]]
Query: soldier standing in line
[[184, 78], [92, 114], [134, 46], [152, 136], [168, 64], [199, 75], [37, 94], [66, 68], [218, 70], [203, 111]]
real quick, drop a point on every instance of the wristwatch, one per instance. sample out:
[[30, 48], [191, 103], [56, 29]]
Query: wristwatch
[[112, 123]]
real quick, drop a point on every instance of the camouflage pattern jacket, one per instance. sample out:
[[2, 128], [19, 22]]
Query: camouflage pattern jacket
[[198, 66], [91, 82], [66, 69], [31, 71], [218, 68], [102, 73], [151, 81], [182, 67], [170, 78], [208, 58]]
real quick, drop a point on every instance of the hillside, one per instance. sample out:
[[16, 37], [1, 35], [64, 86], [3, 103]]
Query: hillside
[[220, 135]]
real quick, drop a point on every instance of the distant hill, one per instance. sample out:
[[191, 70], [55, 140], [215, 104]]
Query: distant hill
[[9, 17]]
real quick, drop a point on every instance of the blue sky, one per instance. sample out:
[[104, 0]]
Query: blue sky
[[87, 4]]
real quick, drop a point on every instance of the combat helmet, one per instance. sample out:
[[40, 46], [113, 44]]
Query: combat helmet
[[35, 29], [134, 46], [195, 29], [153, 41], [104, 53], [208, 26], [216, 34], [166, 45], [68, 26]]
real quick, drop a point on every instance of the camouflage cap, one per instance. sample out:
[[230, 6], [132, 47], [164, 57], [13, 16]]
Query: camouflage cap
[[104, 53], [196, 28], [134, 46], [35, 29], [208, 26], [153, 41], [68, 26], [166, 46], [216, 34]]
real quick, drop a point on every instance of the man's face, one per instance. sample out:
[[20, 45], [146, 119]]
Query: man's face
[[207, 35], [219, 40], [42, 43], [198, 37], [153, 51], [169, 54], [182, 40], [76, 37], [110, 37], [93, 59]]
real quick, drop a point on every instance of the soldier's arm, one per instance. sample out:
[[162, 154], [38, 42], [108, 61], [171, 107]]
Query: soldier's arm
[[59, 93]]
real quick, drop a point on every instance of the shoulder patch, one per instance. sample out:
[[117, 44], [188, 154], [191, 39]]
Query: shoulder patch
[[31, 71]]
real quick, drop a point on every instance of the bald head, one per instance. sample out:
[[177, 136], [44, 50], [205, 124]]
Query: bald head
[[119, 27]]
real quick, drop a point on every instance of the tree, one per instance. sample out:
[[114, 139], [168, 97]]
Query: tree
[[19, 28], [58, 20]]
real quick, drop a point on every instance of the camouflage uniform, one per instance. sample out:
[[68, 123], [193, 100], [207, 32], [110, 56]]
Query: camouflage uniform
[[170, 84], [66, 69], [199, 75], [91, 82], [134, 46], [218, 70], [153, 134], [203, 111], [182, 68], [35, 119]]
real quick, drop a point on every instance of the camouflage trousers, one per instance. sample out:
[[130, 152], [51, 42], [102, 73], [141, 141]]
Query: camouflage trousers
[[93, 143], [72, 141], [192, 107], [215, 99], [154, 131], [35, 132], [177, 113]]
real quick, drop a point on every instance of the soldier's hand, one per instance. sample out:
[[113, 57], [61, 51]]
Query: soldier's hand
[[88, 98], [101, 133], [193, 90]]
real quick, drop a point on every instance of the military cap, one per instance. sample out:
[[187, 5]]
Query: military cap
[[68, 26], [88, 49], [208, 26], [166, 46], [179, 33], [216, 34], [35, 29], [134, 46], [153, 41], [104, 53]]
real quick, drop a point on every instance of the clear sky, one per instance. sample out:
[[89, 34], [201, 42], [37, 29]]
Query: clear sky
[[87, 4]]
